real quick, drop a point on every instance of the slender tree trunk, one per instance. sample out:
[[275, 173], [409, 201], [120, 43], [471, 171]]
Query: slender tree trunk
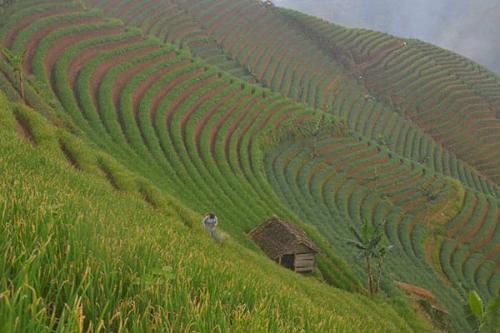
[[21, 86], [370, 279], [379, 276]]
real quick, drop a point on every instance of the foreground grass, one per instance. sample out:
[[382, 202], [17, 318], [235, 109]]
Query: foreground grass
[[77, 255]]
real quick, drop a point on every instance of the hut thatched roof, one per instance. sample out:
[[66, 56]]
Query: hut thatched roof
[[277, 237]]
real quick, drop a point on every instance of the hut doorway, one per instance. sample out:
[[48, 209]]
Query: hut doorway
[[288, 261]]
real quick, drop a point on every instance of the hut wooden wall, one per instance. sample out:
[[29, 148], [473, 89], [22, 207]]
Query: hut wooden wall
[[304, 262]]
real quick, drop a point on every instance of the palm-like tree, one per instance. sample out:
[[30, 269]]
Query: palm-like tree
[[371, 243], [16, 60]]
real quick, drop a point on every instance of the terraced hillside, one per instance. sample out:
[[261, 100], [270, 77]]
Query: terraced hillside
[[324, 81], [166, 89], [448, 96]]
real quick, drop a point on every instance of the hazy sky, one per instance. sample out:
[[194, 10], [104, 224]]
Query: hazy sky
[[468, 27]]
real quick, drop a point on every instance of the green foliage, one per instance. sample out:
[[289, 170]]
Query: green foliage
[[16, 60], [371, 243], [297, 128], [489, 316], [476, 304]]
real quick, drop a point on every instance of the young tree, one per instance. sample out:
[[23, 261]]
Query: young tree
[[371, 243], [16, 61]]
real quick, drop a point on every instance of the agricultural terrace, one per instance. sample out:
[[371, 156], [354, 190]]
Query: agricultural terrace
[[172, 102], [242, 30], [449, 97]]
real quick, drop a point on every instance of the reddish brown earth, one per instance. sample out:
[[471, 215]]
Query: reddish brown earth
[[206, 116], [340, 155], [266, 47], [221, 37], [111, 4], [181, 34], [268, 62], [104, 67], [413, 290], [168, 87], [185, 95], [493, 254], [220, 122], [260, 126], [477, 226], [380, 161], [146, 6], [26, 21], [85, 55], [145, 85], [23, 131], [32, 45], [64, 43], [454, 231], [68, 155], [224, 18], [372, 60], [123, 78], [124, 8], [207, 96], [489, 236], [237, 40], [244, 60], [211, 13], [157, 16], [232, 128], [403, 183]]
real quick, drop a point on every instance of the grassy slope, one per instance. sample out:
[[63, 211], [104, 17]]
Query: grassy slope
[[77, 254]]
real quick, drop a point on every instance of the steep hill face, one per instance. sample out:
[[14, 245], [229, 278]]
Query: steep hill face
[[298, 118]]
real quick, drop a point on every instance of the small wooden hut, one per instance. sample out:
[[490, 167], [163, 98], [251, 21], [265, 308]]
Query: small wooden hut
[[286, 244]]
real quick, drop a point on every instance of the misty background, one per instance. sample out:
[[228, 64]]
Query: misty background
[[468, 27]]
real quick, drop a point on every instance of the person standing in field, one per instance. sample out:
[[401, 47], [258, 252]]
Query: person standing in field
[[210, 223]]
